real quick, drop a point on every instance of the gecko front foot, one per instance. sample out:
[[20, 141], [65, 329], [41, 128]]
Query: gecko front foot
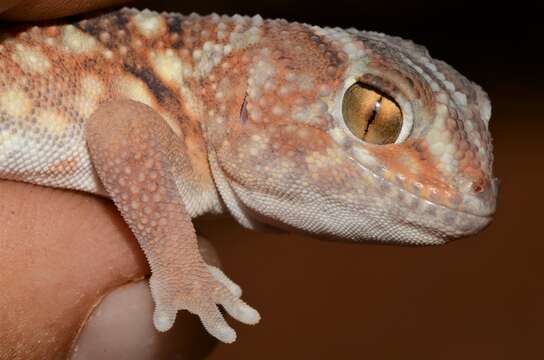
[[141, 164], [200, 291]]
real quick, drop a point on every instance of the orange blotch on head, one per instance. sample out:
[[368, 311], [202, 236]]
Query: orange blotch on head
[[412, 161], [298, 138]]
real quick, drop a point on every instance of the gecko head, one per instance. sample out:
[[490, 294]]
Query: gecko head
[[359, 136]]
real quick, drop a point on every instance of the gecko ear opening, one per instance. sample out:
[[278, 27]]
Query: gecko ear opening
[[371, 115]]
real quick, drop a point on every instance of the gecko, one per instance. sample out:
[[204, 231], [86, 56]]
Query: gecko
[[338, 133]]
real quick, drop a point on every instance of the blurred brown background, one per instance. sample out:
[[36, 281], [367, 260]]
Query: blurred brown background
[[477, 298]]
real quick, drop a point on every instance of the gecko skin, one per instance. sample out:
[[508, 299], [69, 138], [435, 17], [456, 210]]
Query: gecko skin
[[175, 116]]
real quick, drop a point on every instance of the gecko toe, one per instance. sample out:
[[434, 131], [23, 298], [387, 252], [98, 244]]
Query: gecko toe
[[215, 323], [224, 333], [220, 276], [164, 320], [237, 308]]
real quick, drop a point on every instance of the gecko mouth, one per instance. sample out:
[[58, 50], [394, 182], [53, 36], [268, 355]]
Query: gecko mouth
[[481, 204]]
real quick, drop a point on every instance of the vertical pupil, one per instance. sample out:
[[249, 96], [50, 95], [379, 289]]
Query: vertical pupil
[[373, 115]]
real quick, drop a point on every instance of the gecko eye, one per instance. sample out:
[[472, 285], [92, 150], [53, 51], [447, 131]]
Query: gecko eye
[[371, 115]]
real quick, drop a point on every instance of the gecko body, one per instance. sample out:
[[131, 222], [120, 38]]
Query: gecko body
[[339, 133]]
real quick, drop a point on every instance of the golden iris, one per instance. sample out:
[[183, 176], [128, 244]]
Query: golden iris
[[371, 115]]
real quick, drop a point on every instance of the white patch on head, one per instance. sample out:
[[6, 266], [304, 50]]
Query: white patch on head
[[171, 68], [150, 24], [243, 40], [441, 112], [108, 54], [259, 74], [15, 103], [439, 138], [310, 113], [449, 85], [168, 66], [208, 57], [338, 135], [31, 60], [460, 98], [76, 41]]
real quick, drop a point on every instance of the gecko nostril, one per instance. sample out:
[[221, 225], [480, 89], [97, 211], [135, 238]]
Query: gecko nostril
[[478, 186]]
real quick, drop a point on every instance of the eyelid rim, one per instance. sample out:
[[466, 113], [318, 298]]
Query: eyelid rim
[[407, 118]]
